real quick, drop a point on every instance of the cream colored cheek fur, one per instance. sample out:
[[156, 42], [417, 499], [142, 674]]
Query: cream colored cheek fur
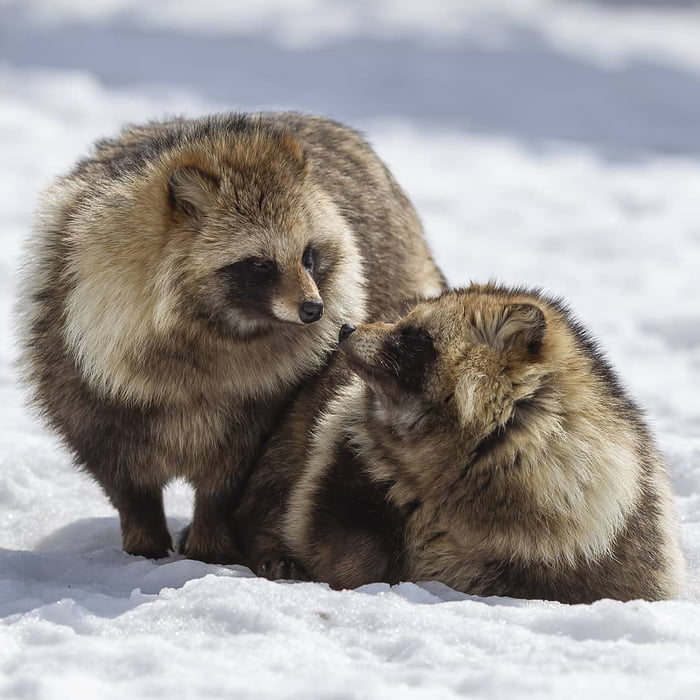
[[111, 313], [285, 311]]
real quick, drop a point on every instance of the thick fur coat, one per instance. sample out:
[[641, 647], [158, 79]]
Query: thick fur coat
[[484, 443], [183, 280]]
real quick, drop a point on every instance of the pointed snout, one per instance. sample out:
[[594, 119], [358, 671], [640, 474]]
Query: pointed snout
[[297, 298], [363, 342]]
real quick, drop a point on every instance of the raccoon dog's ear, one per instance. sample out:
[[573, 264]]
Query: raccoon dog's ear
[[521, 329], [190, 190]]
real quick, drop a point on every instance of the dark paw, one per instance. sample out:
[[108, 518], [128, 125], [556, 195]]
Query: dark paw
[[150, 547], [282, 568], [225, 553], [149, 553], [214, 556]]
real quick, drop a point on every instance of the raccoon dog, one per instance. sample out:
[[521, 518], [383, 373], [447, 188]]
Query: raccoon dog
[[184, 279], [485, 444]]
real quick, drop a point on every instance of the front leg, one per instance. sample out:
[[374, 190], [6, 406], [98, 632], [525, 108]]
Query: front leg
[[142, 519], [211, 535]]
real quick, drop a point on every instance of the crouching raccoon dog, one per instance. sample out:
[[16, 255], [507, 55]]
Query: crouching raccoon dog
[[183, 280], [486, 444]]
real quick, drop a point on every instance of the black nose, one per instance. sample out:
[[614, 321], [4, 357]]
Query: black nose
[[310, 311], [345, 331]]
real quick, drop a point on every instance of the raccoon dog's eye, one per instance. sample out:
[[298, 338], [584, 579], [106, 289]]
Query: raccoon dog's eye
[[410, 353], [310, 259], [260, 265]]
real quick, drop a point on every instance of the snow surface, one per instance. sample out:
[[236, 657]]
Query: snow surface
[[547, 142]]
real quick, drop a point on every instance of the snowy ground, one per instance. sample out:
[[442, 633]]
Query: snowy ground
[[546, 142]]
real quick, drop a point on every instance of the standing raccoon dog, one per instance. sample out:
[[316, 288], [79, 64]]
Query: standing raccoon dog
[[487, 445], [184, 279]]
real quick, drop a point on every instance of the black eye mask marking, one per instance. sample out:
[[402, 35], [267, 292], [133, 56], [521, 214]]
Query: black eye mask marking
[[410, 354], [249, 283]]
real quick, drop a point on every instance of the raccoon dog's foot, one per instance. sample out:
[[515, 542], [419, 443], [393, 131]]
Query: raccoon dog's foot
[[151, 547], [209, 550], [143, 526], [278, 567], [210, 535]]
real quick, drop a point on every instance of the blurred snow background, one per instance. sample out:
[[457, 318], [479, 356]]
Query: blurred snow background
[[549, 142]]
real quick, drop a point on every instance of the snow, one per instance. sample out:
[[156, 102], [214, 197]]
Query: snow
[[545, 142]]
